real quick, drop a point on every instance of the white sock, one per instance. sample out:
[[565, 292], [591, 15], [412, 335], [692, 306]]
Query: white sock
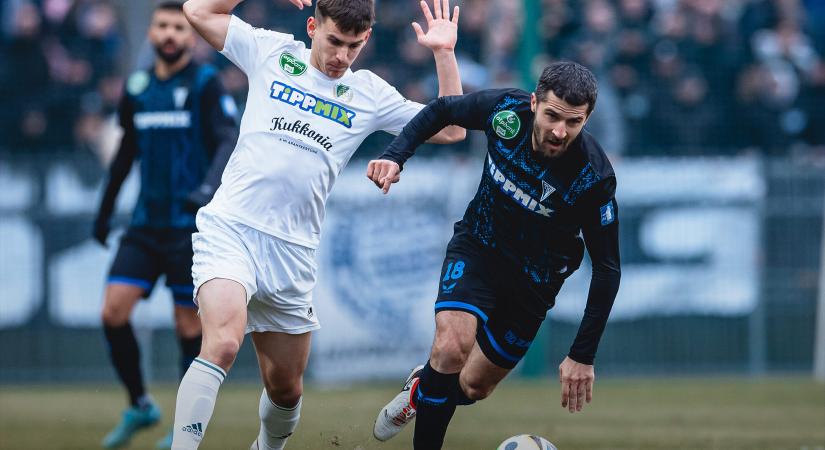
[[277, 423], [196, 400]]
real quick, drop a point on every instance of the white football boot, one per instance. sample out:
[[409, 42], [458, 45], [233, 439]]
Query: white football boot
[[399, 411]]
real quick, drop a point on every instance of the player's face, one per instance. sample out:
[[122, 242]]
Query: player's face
[[334, 51], [171, 35], [556, 125]]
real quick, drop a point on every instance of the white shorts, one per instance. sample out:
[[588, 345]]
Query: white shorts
[[278, 275]]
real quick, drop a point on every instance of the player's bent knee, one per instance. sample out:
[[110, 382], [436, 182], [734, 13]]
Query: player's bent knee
[[221, 351], [113, 315], [448, 357], [477, 390], [285, 394]]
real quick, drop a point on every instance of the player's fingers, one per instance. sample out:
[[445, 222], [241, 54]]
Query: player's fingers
[[425, 8], [455, 15], [589, 393], [308, 2], [370, 169], [439, 13], [297, 3], [396, 178], [445, 9], [419, 33], [580, 391], [571, 395], [565, 389], [387, 184]]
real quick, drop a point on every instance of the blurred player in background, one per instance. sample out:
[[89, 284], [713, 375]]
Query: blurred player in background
[[547, 190], [180, 125], [254, 264]]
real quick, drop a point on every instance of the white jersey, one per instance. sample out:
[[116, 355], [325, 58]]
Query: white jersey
[[298, 131]]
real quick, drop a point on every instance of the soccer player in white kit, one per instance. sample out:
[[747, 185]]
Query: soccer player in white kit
[[254, 266]]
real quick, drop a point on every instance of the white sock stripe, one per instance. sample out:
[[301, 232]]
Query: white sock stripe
[[297, 405], [202, 363]]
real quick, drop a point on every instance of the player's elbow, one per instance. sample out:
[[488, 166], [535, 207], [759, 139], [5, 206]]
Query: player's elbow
[[455, 134], [195, 11]]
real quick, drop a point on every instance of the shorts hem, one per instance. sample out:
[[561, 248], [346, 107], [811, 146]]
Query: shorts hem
[[277, 329], [211, 277]]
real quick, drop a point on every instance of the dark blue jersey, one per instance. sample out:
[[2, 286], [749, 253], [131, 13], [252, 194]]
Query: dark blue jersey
[[182, 131], [531, 211]]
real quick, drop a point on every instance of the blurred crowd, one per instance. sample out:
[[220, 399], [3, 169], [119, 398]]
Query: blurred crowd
[[683, 77]]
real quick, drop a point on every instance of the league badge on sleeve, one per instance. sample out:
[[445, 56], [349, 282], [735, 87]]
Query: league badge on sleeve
[[607, 213]]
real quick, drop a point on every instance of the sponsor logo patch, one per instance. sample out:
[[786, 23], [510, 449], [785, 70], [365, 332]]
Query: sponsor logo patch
[[506, 124], [291, 65], [308, 102], [137, 83]]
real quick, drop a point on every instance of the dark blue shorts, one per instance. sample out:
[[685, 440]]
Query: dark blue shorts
[[147, 253], [508, 307]]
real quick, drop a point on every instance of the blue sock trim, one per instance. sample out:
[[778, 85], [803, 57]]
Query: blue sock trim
[[146, 285], [462, 305], [429, 400], [184, 301]]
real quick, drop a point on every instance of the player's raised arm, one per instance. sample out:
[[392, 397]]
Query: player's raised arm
[[211, 18], [441, 38]]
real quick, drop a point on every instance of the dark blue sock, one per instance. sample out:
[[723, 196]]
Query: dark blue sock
[[435, 406], [125, 355], [189, 350]]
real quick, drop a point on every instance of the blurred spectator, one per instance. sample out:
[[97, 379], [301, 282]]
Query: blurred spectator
[[676, 76]]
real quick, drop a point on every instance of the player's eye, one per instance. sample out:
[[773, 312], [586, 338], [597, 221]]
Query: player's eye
[[354, 46]]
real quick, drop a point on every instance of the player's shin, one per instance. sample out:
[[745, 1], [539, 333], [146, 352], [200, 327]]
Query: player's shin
[[195, 402], [125, 355], [277, 423], [435, 405]]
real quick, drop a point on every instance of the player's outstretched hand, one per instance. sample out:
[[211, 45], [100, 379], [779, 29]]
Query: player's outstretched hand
[[100, 230], [383, 173], [576, 384], [442, 32], [301, 3]]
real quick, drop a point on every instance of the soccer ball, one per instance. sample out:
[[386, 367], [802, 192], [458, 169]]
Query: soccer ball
[[526, 442]]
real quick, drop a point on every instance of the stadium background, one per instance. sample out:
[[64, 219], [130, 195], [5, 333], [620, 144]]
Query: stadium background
[[713, 112]]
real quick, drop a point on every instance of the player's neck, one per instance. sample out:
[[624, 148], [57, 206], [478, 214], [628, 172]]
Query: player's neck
[[164, 70]]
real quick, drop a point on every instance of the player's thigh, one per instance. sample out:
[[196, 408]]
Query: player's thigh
[[222, 306], [132, 275], [187, 322], [480, 375], [177, 256]]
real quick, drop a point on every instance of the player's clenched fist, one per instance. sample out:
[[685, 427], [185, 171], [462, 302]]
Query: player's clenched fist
[[383, 173]]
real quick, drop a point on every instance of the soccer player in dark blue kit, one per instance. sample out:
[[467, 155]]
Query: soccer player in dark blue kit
[[546, 192], [181, 126]]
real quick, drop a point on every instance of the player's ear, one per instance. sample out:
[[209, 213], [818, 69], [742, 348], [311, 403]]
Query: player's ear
[[312, 26], [533, 102]]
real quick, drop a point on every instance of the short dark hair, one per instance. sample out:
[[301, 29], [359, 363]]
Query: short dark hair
[[350, 16], [569, 81], [169, 5]]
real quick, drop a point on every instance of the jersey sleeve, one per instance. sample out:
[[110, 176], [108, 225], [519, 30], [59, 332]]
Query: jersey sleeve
[[600, 229], [247, 46], [393, 109], [470, 111], [122, 163]]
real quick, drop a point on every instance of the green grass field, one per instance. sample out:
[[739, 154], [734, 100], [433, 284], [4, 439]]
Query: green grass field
[[776, 413]]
